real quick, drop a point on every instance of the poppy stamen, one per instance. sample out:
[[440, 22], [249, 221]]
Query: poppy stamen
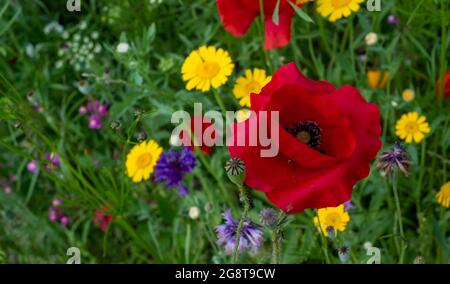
[[308, 132]]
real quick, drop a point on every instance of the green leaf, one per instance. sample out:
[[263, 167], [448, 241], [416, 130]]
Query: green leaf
[[300, 12], [276, 13]]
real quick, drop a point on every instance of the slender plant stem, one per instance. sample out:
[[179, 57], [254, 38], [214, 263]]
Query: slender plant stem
[[246, 201], [323, 240], [220, 103], [266, 54], [399, 216], [422, 166]]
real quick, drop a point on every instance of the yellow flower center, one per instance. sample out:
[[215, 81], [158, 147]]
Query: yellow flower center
[[253, 87], [208, 70], [333, 219], [411, 127], [340, 3], [144, 160]]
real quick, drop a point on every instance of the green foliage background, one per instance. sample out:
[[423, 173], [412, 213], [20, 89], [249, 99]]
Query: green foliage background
[[151, 224]]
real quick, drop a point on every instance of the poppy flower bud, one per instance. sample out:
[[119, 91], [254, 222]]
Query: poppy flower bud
[[235, 169]]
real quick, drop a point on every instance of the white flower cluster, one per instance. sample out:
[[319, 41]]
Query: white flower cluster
[[79, 49]]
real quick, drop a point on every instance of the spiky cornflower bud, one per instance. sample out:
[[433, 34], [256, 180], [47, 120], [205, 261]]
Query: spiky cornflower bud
[[344, 253], [268, 217], [330, 232], [235, 169], [209, 207], [395, 158], [138, 112], [142, 137]]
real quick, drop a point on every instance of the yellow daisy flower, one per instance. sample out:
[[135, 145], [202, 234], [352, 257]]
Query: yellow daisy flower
[[377, 79], [443, 196], [336, 9], [410, 126], [205, 67], [332, 217], [252, 82], [142, 159], [408, 95]]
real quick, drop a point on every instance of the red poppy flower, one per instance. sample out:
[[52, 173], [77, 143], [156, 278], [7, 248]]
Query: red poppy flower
[[201, 121], [446, 86], [238, 15], [327, 139]]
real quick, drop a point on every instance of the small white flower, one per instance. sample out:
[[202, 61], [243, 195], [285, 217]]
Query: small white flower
[[30, 50], [371, 39], [394, 103], [53, 26], [97, 48], [194, 212], [83, 25], [59, 64], [95, 35], [133, 64], [367, 245], [122, 47]]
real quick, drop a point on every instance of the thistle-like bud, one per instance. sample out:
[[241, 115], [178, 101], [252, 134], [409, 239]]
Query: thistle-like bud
[[138, 112], [235, 169], [344, 253], [395, 158], [142, 137], [115, 125], [330, 232], [268, 217]]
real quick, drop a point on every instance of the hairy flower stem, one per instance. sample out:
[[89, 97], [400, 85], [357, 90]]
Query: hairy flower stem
[[246, 201], [276, 241], [277, 236], [399, 216]]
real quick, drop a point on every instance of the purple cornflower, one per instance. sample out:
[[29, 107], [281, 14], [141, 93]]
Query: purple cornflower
[[55, 213], [392, 20], [94, 122], [251, 236], [82, 110], [97, 111], [349, 205], [56, 202], [397, 157], [33, 166], [172, 166], [64, 220], [53, 161]]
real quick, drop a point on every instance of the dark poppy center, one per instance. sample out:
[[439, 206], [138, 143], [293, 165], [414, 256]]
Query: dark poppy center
[[308, 132]]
